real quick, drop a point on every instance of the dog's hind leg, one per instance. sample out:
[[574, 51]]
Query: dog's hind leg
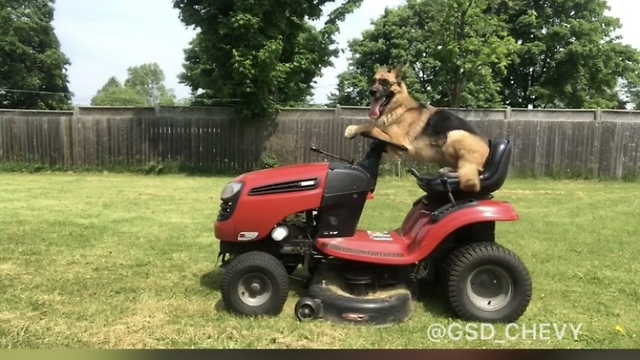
[[469, 176], [471, 153]]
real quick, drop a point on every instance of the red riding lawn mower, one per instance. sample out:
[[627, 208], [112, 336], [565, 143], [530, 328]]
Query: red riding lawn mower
[[272, 221]]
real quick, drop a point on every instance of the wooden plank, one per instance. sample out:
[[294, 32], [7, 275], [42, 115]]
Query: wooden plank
[[225, 144], [3, 141], [214, 139], [74, 140], [22, 134], [105, 143], [57, 141], [112, 141], [65, 130], [205, 152], [138, 138]]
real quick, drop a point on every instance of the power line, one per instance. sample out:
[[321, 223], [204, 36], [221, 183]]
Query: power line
[[69, 93], [33, 91]]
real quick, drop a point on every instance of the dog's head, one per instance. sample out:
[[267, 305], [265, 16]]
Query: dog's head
[[386, 86]]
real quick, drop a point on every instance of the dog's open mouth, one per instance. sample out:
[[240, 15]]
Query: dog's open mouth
[[377, 106]]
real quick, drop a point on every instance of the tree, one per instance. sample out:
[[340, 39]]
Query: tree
[[118, 96], [112, 82], [261, 54], [630, 98], [32, 65], [144, 86], [567, 55], [148, 81], [454, 53]]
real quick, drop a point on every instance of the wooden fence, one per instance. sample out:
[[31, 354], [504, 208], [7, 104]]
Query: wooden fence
[[600, 143]]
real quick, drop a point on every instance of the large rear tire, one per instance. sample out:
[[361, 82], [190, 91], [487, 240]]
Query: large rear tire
[[254, 284], [486, 282]]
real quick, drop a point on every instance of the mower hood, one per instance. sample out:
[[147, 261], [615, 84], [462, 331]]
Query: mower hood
[[284, 174]]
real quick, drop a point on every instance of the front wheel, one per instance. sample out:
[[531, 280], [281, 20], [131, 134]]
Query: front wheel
[[487, 283], [254, 284]]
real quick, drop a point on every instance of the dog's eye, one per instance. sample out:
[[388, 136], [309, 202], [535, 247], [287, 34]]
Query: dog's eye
[[384, 82]]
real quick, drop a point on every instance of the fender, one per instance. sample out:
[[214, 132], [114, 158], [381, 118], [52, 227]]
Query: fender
[[408, 249], [483, 211]]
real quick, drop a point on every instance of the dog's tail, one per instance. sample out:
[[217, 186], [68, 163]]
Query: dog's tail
[[469, 175]]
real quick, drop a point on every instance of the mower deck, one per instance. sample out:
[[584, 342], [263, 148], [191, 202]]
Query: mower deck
[[334, 302]]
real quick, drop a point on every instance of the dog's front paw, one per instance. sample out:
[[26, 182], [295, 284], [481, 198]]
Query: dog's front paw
[[410, 148], [351, 131], [446, 170]]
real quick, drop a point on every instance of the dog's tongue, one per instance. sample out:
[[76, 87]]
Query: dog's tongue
[[374, 111]]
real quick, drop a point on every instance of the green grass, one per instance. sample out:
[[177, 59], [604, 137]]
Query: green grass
[[126, 261]]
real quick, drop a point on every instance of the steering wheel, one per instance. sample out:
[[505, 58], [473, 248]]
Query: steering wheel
[[368, 135]]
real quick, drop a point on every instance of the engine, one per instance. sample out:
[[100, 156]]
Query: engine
[[295, 234]]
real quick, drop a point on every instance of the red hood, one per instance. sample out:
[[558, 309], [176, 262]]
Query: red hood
[[284, 174]]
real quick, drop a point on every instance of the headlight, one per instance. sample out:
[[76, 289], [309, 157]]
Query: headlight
[[230, 189]]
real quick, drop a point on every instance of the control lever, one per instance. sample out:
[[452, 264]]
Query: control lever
[[445, 184], [413, 172], [315, 149]]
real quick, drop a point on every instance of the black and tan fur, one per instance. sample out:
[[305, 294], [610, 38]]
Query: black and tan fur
[[430, 134]]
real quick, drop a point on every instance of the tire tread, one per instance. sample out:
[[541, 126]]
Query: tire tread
[[272, 265], [460, 258]]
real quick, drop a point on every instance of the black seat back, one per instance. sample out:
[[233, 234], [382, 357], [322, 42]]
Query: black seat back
[[492, 178], [496, 167]]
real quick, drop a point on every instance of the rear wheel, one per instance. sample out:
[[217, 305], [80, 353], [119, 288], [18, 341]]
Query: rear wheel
[[255, 283], [486, 282]]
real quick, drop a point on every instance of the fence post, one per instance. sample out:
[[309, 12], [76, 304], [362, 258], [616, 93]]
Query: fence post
[[507, 113], [598, 114], [74, 136]]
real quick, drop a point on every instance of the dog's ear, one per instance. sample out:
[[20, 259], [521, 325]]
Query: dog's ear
[[397, 72]]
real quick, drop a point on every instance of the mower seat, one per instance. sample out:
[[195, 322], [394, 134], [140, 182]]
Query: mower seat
[[491, 179]]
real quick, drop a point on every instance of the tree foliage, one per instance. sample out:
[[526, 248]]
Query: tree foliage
[[262, 54], [118, 96], [454, 53], [32, 65], [148, 81], [112, 82], [144, 86], [568, 55], [486, 53]]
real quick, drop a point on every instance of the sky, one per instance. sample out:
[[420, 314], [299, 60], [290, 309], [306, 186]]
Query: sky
[[104, 38]]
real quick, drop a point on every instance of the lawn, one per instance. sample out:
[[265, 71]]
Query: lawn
[[127, 261]]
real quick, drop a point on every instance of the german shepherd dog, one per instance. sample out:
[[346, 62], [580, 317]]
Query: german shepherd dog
[[429, 134]]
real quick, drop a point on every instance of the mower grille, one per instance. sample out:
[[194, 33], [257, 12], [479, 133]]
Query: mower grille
[[285, 187]]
